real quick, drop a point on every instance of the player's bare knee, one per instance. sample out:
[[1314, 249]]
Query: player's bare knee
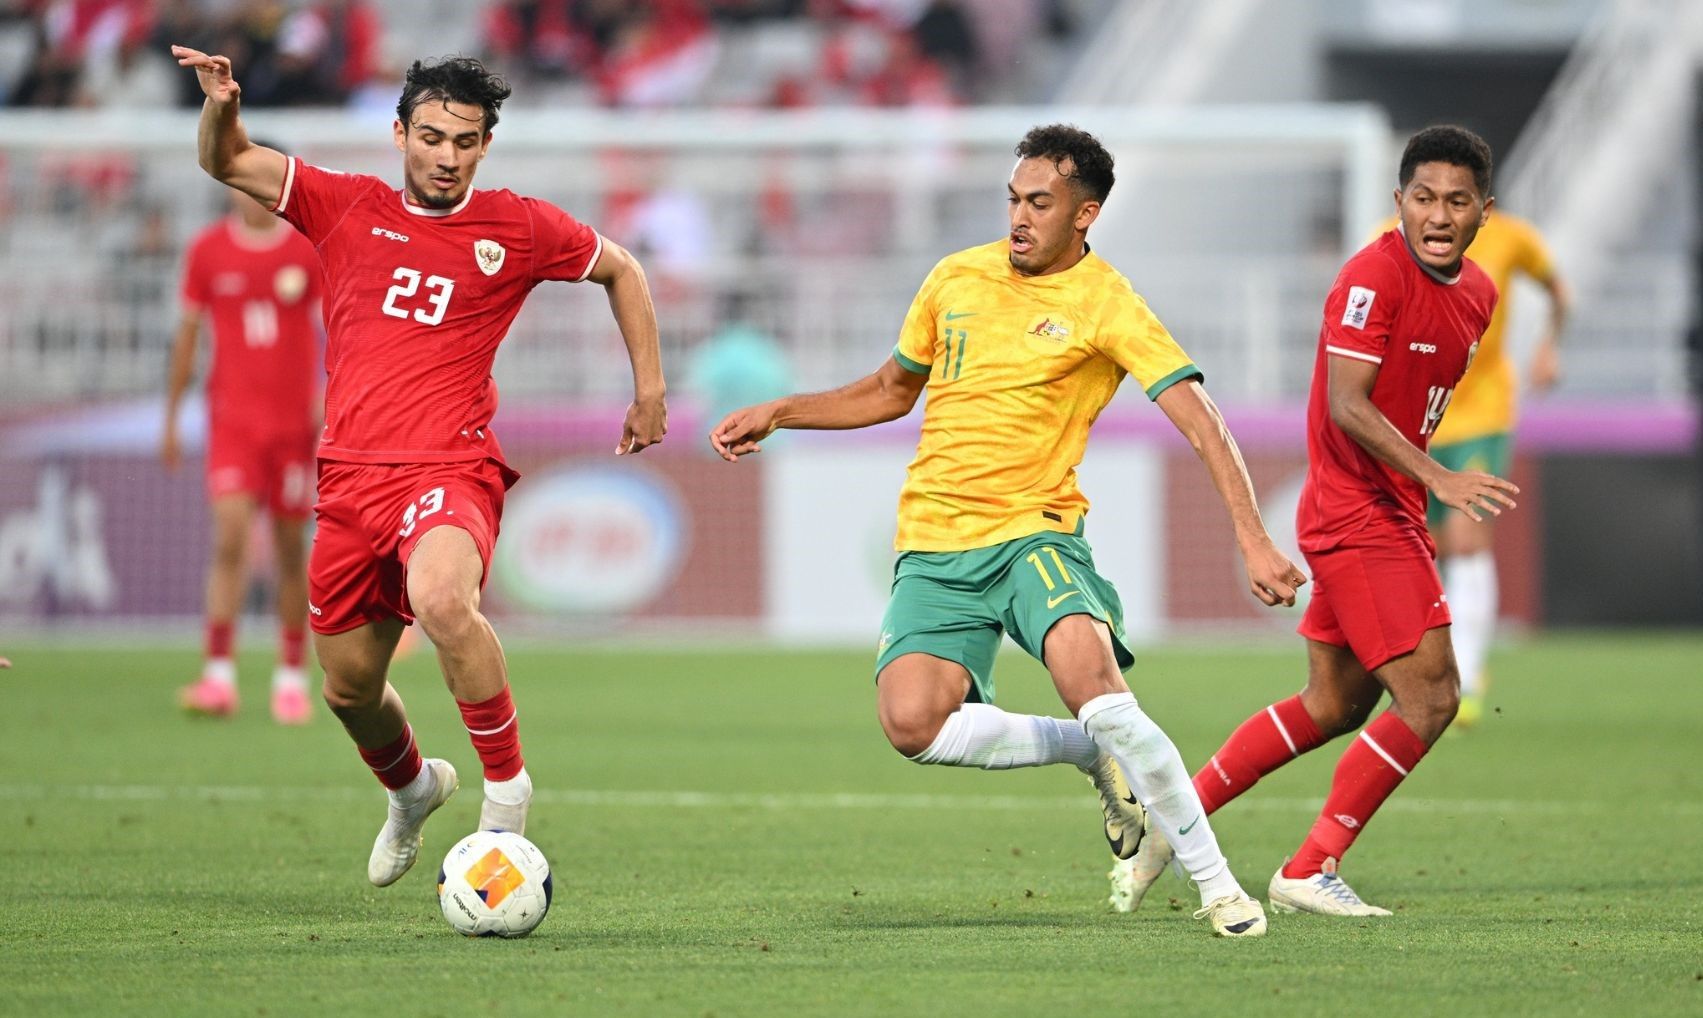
[[1446, 697], [350, 698], [445, 613], [910, 731], [228, 547], [1335, 714]]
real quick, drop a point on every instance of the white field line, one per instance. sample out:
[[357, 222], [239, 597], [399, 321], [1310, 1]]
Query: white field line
[[650, 799]]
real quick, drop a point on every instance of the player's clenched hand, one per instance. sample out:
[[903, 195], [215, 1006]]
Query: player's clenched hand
[[214, 73], [1271, 576], [646, 423], [740, 432], [1473, 492]]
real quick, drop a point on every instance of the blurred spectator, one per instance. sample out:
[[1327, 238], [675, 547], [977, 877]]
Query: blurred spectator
[[661, 57], [70, 33], [945, 36], [737, 366], [634, 53], [137, 75], [328, 51], [749, 11], [537, 38]]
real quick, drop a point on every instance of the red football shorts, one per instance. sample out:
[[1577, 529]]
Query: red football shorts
[[370, 517], [1377, 593], [276, 469]]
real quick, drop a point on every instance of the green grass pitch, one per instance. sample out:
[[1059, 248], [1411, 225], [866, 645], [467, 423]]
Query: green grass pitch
[[732, 836]]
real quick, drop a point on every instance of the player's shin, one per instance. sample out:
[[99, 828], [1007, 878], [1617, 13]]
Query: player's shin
[[1374, 764], [396, 764], [1262, 744], [982, 735], [493, 725], [1155, 771]]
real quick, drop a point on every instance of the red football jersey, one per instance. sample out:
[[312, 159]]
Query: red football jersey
[[418, 300], [1422, 330], [262, 294]]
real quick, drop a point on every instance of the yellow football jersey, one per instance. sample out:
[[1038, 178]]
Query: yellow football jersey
[[1018, 367], [1484, 401]]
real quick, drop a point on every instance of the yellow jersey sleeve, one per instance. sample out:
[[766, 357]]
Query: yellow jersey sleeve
[[1136, 341], [915, 349], [1533, 254]]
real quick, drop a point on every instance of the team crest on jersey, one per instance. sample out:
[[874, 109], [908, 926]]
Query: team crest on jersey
[[290, 284], [489, 254], [1049, 327], [1471, 352]]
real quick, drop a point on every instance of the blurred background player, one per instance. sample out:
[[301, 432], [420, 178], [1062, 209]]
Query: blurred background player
[[422, 285], [1401, 326], [1477, 434], [1021, 343], [257, 281]]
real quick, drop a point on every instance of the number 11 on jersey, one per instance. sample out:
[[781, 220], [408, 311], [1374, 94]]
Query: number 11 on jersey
[[948, 369]]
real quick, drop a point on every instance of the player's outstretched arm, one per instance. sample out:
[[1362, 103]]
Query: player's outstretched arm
[[177, 383], [225, 151], [1271, 576], [1352, 410], [1545, 368], [621, 276], [886, 395]]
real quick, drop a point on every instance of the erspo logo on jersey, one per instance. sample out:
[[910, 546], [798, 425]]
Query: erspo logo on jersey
[[379, 231]]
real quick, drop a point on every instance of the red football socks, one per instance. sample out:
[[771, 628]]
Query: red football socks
[[292, 646], [1379, 757], [1262, 744], [220, 638], [397, 763], [492, 726]]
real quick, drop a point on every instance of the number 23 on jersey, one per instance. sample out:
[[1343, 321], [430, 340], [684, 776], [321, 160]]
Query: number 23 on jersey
[[431, 310]]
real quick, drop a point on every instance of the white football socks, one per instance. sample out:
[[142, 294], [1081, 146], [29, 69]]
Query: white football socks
[[511, 792], [414, 790], [288, 677], [982, 735], [221, 670], [1470, 582], [1155, 772]]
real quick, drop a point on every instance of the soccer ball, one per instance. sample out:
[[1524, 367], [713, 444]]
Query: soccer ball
[[494, 884]]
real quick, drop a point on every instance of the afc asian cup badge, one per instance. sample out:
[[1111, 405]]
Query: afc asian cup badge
[[489, 254]]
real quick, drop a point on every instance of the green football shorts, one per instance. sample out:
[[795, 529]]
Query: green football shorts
[[1490, 454], [956, 604]]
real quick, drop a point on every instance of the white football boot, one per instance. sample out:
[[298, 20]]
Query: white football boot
[[1126, 817], [1132, 878], [1234, 915], [398, 842], [1323, 893]]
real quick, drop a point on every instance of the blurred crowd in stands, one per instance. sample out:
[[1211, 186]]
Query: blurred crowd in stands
[[627, 53]]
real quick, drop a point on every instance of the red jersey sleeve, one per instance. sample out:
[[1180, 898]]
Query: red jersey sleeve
[[565, 248], [197, 290], [315, 200], [1362, 307]]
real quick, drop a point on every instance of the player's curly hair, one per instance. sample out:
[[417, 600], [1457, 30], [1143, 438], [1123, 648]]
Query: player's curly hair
[[1448, 143], [453, 79], [1090, 164]]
